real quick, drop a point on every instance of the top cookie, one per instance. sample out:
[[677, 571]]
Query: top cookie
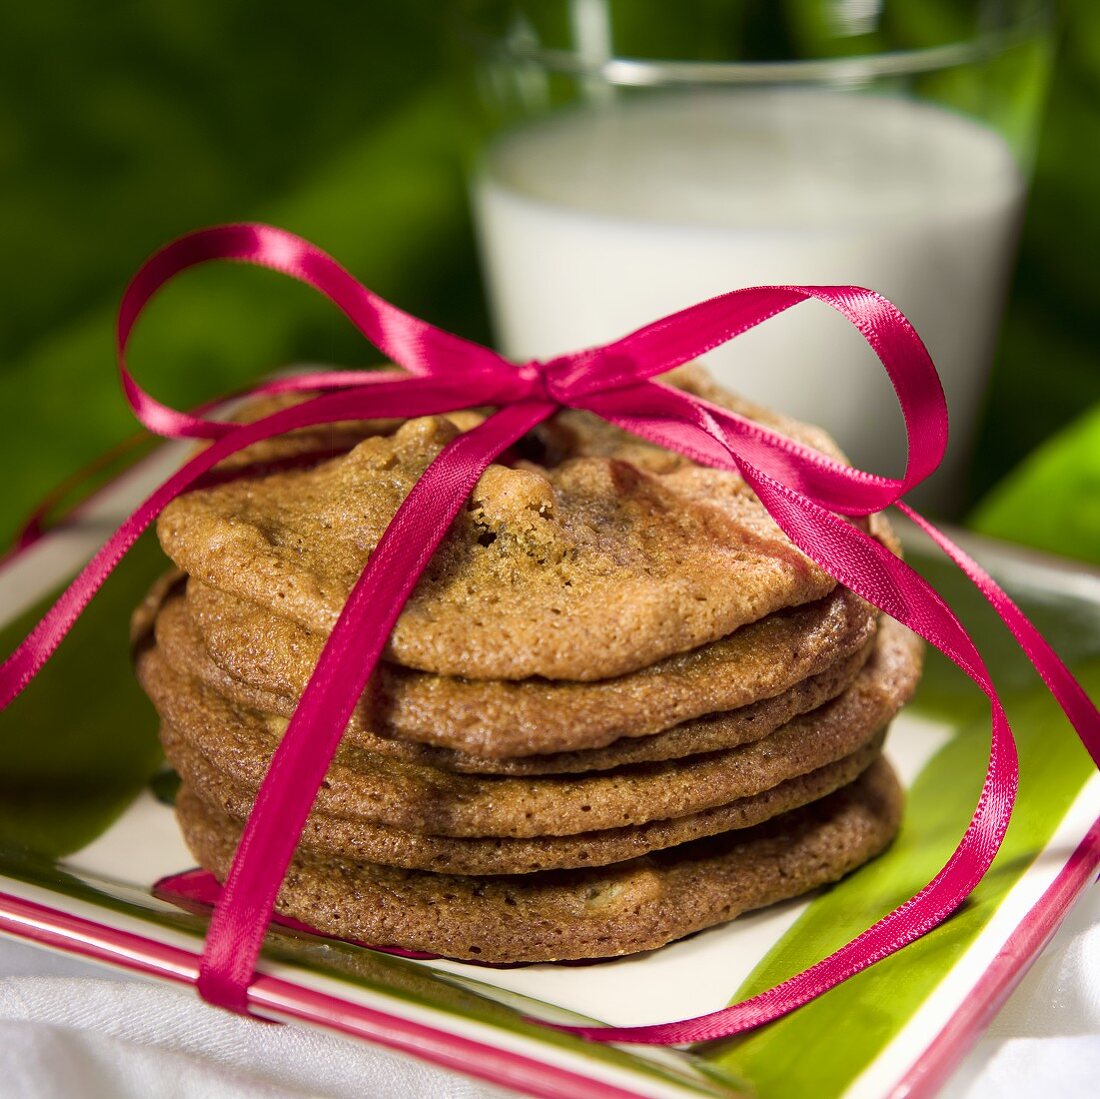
[[588, 568]]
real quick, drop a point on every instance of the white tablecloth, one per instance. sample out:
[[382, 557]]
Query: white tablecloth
[[68, 1029]]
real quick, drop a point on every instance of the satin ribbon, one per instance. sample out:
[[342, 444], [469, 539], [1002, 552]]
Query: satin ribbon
[[806, 493]]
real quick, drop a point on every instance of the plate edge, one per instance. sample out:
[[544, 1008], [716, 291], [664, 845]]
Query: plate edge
[[1025, 943], [278, 998]]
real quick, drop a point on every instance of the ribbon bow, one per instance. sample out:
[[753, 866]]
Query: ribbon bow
[[805, 492]]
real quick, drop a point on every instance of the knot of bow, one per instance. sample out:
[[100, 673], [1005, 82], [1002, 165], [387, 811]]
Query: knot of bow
[[805, 492]]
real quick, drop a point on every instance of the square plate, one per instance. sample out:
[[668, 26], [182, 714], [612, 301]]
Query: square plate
[[83, 837]]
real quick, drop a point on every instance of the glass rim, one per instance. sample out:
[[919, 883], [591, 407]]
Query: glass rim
[[653, 72]]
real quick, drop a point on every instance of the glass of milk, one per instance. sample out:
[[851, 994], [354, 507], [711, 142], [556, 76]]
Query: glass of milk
[[642, 156]]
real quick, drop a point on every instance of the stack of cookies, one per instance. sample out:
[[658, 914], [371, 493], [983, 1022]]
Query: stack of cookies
[[619, 707]]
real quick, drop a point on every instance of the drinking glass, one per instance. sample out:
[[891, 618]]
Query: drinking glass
[[639, 156]]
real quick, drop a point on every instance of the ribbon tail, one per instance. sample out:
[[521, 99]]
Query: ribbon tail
[[300, 762], [40, 644], [49, 512], [870, 569], [1060, 681]]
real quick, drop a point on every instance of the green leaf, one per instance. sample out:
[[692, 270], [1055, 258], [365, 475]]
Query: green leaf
[[1052, 501]]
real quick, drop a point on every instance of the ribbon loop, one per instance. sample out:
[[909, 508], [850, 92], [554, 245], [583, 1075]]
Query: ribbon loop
[[804, 491], [419, 347]]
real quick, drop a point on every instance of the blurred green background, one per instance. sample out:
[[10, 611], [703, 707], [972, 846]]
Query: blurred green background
[[122, 125]]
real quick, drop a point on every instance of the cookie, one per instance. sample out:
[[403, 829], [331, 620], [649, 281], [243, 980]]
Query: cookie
[[502, 719], [631, 906], [359, 839], [583, 570], [363, 785], [184, 651]]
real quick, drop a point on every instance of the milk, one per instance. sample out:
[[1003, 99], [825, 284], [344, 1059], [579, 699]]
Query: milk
[[600, 219]]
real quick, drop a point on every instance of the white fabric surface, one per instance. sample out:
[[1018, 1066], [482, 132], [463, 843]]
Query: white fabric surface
[[1046, 1039], [69, 1029]]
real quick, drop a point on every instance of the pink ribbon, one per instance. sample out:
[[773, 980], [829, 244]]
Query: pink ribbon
[[806, 493]]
